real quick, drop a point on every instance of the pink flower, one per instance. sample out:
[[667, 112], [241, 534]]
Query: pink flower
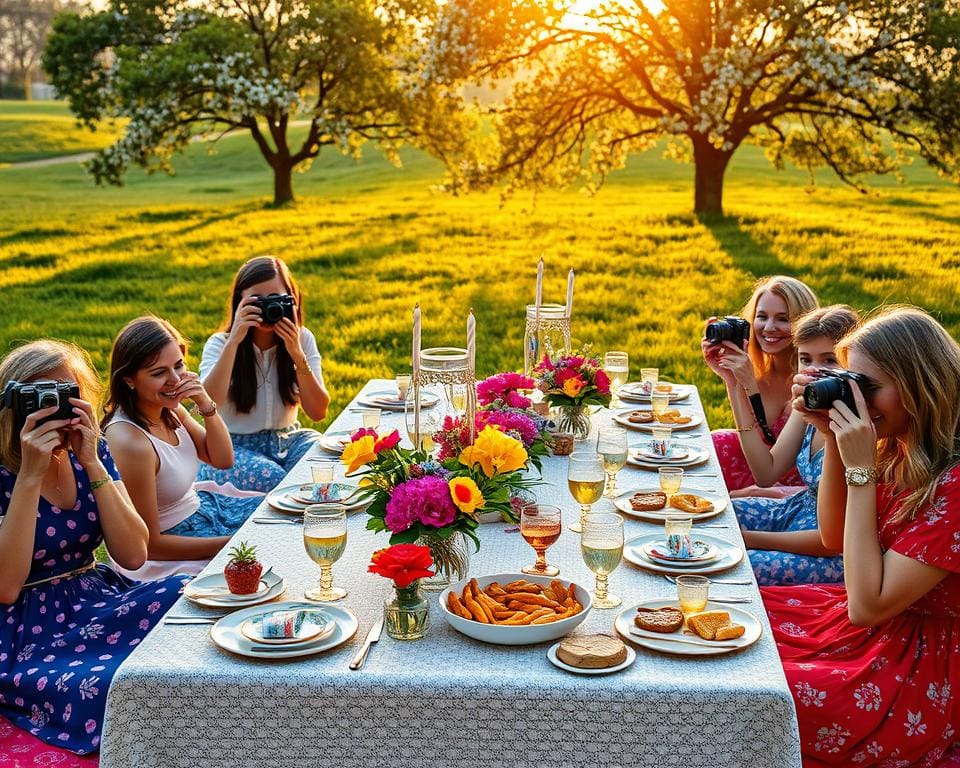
[[387, 442], [602, 382], [425, 500], [363, 432]]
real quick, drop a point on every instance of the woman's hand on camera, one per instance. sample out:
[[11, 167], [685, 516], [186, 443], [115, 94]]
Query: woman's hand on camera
[[738, 363], [246, 317], [37, 443], [819, 419], [856, 435], [713, 355], [289, 333], [84, 434]]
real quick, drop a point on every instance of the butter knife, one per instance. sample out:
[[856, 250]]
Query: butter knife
[[373, 634]]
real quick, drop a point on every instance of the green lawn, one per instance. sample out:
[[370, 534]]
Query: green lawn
[[367, 241], [34, 130]]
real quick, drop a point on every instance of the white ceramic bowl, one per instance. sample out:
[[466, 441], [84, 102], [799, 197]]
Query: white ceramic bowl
[[524, 634]]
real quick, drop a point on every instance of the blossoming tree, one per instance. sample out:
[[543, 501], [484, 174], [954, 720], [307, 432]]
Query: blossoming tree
[[848, 85], [343, 71]]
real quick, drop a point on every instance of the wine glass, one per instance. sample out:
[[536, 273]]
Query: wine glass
[[585, 478], [370, 417], [602, 548], [612, 448], [617, 367], [540, 526], [324, 539]]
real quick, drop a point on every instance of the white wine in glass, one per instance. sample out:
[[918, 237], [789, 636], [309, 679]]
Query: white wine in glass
[[612, 448], [617, 367], [585, 479], [601, 545], [324, 539]]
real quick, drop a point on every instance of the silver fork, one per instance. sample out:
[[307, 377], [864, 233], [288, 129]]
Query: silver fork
[[738, 582]]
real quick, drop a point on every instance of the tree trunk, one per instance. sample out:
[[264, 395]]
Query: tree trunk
[[282, 182], [27, 85], [710, 164]]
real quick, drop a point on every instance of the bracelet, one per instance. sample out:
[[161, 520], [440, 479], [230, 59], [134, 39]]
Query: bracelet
[[303, 367], [210, 412], [94, 484], [747, 428]]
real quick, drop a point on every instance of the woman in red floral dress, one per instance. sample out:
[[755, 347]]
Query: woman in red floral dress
[[874, 666], [765, 366]]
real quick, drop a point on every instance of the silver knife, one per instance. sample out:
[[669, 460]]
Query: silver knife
[[373, 634]]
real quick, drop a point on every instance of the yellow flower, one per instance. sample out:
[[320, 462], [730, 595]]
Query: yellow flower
[[358, 453], [466, 495], [494, 452]]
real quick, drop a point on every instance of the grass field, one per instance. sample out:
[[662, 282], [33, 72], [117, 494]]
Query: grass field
[[367, 241], [33, 130]]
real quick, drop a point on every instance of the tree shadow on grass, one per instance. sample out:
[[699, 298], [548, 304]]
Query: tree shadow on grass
[[745, 251]]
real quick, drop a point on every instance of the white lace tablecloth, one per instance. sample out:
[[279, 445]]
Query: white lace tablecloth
[[447, 700]]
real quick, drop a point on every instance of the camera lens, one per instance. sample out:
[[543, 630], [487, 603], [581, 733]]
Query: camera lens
[[718, 331], [819, 395], [48, 399], [273, 312]]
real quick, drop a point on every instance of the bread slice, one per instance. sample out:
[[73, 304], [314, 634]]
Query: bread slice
[[729, 631], [648, 502], [706, 623], [663, 620], [592, 651]]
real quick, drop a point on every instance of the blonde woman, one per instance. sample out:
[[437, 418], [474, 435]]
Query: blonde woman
[[68, 622], [758, 374], [873, 664]]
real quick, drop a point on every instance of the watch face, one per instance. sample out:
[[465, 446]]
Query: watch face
[[858, 476]]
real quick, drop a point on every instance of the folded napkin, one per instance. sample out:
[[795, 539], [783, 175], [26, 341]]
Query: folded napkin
[[281, 624]]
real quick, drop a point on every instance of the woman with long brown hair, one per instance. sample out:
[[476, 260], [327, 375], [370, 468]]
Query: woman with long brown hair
[[262, 368]]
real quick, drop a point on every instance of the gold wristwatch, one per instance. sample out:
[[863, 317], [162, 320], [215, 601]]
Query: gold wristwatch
[[860, 475]]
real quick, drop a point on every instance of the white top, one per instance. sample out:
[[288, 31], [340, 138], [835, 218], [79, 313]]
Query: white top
[[269, 411], [176, 497]]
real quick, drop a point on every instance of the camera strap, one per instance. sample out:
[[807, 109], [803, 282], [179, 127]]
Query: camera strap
[[756, 403]]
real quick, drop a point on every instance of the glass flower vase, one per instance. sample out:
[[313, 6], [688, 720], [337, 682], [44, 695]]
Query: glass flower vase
[[574, 419], [407, 616], [451, 560]]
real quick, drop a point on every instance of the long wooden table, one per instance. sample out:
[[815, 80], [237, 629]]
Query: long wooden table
[[448, 700]]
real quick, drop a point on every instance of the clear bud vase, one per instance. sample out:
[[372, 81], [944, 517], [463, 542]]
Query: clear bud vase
[[407, 616], [451, 560], [574, 419]]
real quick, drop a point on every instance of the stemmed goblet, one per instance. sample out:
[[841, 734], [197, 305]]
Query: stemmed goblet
[[602, 548], [585, 478], [612, 448], [540, 526], [324, 539]]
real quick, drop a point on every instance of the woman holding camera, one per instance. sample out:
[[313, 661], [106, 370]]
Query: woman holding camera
[[67, 622], [781, 534], [758, 372], [261, 368], [158, 448], [873, 665]]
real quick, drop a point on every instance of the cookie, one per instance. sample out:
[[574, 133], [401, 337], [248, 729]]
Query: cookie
[[663, 620], [640, 417], [648, 502]]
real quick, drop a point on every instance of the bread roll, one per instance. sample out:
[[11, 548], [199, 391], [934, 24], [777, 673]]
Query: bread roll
[[592, 651], [729, 631]]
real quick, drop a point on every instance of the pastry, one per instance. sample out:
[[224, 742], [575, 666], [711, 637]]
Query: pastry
[[729, 631], [592, 651], [648, 502], [715, 625], [640, 417], [663, 388], [691, 503], [663, 620]]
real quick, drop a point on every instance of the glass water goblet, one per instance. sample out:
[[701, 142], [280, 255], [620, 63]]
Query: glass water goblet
[[324, 539], [617, 366], [612, 448], [540, 527], [585, 478], [602, 548], [370, 417], [671, 478]]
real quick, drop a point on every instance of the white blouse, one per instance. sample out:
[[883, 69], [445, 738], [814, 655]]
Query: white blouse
[[269, 410]]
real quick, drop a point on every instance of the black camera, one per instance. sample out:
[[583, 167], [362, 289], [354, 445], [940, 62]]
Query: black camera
[[734, 329], [275, 306], [24, 399], [834, 384]]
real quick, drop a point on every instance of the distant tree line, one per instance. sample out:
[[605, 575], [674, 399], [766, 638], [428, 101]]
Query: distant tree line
[[24, 25]]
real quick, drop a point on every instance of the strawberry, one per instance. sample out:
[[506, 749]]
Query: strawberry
[[243, 570]]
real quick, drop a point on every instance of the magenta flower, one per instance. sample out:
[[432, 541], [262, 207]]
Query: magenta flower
[[425, 499], [518, 424], [503, 386], [602, 382]]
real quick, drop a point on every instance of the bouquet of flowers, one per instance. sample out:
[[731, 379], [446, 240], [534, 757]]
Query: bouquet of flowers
[[573, 380], [501, 405]]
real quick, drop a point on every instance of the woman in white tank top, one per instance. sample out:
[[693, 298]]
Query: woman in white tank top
[[158, 448]]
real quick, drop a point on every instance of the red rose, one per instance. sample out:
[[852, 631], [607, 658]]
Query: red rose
[[602, 382], [402, 563], [563, 374], [387, 442]]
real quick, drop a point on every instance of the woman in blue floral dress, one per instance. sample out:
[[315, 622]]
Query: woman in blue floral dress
[[66, 623], [781, 533]]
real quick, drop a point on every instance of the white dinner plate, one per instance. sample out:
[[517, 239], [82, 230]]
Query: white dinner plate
[[227, 634], [622, 418], [555, 660], [274, 587], [694, 457], [730, 555], [633, 391], [754, 629], [677, 453], [622, 503], [334, 442], [284, 500], [386, 400], [315, 624]]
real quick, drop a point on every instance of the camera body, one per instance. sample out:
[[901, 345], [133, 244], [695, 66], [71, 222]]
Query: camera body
[[832, 384], [275, 306], [730, 328], [25, 398]]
